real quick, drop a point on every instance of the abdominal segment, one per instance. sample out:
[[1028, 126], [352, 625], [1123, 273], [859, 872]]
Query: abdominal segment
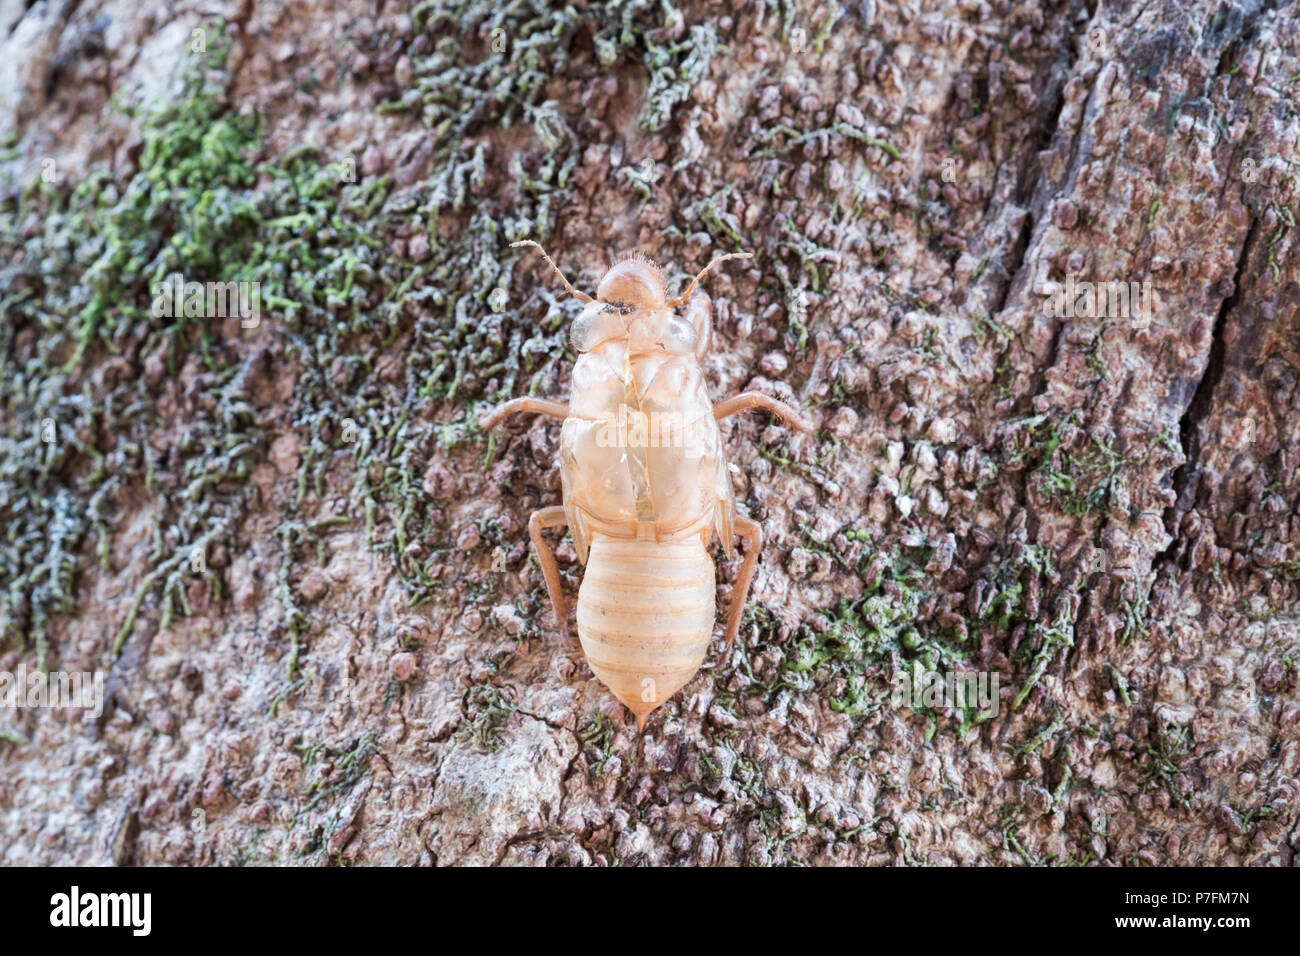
[[645, 617]]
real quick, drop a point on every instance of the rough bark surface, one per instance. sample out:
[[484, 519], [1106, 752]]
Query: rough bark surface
[[362, 667]]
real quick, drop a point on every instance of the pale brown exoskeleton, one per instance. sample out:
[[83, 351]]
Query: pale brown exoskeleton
[[645, 484]]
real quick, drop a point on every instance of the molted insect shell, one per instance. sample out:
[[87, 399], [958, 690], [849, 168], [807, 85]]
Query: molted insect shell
[[645, 485]]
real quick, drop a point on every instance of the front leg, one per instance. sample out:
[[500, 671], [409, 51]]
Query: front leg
[[747, 400], [525, 405]]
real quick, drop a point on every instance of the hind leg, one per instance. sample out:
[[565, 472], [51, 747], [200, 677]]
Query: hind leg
[[751, 531], [552, 517]]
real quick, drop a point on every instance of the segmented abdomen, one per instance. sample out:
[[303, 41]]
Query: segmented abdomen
[[645, 616]]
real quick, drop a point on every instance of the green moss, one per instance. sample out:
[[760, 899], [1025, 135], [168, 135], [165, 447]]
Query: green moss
[[674, 69], [487, 711], [1011, 833], [1061, 795], [860, 644], [1163, 762], [600, 736], [1080, 478], [1041, 737], [852, 653], [1047, 641], [791, 138], [341, 768], [1121, 684], [1247, 818], [80, 295], [1135, 617]]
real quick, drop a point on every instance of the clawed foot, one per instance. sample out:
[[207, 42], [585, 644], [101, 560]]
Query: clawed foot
[[724, 659], [570, 642]]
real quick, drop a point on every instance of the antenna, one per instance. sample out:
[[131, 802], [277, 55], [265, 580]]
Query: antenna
[[681, 299], [581, 296]]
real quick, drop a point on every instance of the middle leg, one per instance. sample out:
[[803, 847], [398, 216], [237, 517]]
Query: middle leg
[[528, 405], [747, 400]]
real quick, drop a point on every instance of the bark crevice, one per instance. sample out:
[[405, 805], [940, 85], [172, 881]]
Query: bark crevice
[[1201, 404]]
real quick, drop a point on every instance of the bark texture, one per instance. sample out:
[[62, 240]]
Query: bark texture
[[360, 665]]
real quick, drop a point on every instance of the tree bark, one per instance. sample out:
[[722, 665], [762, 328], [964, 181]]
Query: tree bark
[[1090, 499]]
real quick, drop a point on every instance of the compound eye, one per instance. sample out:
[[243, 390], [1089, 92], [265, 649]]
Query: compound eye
[[597, 323], [661, 332], [681, 337]]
